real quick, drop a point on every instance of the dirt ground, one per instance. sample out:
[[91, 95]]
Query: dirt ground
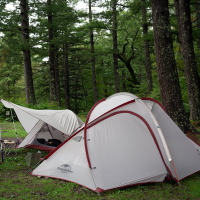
[[195, 137]]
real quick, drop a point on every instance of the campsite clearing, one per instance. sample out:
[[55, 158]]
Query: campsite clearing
[[17, 184]]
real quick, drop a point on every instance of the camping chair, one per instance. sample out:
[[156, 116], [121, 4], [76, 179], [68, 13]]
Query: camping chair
[[8, 146]]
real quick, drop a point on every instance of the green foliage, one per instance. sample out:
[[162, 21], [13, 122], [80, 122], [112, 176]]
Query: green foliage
[[71, 31]]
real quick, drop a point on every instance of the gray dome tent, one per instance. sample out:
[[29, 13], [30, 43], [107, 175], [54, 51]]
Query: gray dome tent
[[125, 141]]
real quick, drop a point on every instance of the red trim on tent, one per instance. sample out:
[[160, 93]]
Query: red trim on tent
[[93, 107], [189, 175], [58, 147], [31, 139], [39, 147], [34, 136], [88, 117], [63, 179], [98, 190], [131, 185], [121, 105], [155, 101], [85, 129], [145, 122]]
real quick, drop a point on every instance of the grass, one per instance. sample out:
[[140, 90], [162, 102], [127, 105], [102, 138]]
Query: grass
[[8, 130], [17, 183], [82, 116]]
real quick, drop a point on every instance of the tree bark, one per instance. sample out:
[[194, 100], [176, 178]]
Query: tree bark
[[52, 67], [115, 46], [198, 21], [66, 77], [30, 93], [191, 72], [94, 83], [147, 60], [130, 69], [166, 65], [57, 78]]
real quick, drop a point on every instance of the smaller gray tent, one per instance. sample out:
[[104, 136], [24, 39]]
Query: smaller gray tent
[[45, 125]]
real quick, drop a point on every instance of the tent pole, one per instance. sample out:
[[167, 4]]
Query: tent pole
[[14, 126], [172, 162], [49, 131], [159, 131], [161, 137]]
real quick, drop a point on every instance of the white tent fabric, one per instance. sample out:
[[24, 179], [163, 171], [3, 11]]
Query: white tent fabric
[[47, 124], [125, 141]]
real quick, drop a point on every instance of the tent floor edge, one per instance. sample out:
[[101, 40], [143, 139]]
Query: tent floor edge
[[99, 190]]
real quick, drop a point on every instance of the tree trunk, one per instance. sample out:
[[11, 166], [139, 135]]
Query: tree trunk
[[198, 21], [166, 65], [94, 83], [66, 77], [57, 78], [147, 60], [191, 72], [30, 93], [123, 80], [83, 87], [130, 69], [52, 68], [115, 46]]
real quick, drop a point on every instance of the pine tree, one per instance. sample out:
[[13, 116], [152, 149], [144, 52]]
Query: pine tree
[[166, 65]]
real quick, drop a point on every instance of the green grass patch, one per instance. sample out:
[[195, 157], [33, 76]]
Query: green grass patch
[[8, 129], [17, 183], [82, 116]]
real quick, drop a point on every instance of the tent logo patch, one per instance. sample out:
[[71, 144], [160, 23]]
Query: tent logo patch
[[65, 168]]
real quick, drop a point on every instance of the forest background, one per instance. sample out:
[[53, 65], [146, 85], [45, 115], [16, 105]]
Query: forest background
[[55, 55]]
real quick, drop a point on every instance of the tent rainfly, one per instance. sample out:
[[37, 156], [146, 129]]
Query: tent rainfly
[[44, 125], [125, 141]]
